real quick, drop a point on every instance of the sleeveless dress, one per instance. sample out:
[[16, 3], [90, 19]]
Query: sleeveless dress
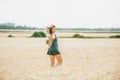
[[53, 49]]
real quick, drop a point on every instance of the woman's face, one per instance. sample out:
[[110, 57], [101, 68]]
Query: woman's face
[[53, 30]]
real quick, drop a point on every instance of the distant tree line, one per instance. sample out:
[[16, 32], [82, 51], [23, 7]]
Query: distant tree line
[[12, 26], [4, 26], [91, 29]]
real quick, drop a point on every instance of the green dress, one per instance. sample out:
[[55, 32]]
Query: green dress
[[53, 49]]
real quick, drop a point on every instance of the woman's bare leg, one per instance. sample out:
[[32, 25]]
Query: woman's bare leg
[[52, 59], [59, 59]]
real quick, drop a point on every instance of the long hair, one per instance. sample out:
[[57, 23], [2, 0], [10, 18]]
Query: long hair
[[49, 29]]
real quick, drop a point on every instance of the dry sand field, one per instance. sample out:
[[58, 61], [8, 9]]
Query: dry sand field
[[83, 59], [27, 33]]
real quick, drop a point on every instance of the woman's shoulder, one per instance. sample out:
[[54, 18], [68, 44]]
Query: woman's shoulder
[[51, 36]]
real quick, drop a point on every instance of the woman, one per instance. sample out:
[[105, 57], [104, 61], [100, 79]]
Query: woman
[[53, 50]]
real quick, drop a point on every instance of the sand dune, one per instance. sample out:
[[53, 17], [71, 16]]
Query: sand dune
[[84, 59]]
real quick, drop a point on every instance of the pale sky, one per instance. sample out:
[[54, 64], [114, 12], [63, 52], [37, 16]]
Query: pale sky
[[62, 13]]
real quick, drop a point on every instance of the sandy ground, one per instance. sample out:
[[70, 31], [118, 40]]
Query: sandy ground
[[27, 33], [84, 59]]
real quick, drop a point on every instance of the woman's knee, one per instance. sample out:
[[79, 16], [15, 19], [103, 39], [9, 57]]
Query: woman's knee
[[59, 58]]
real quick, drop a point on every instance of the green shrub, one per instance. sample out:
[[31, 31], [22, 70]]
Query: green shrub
[[10, 35], [38, 34], [77, 36], [116, 36]]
